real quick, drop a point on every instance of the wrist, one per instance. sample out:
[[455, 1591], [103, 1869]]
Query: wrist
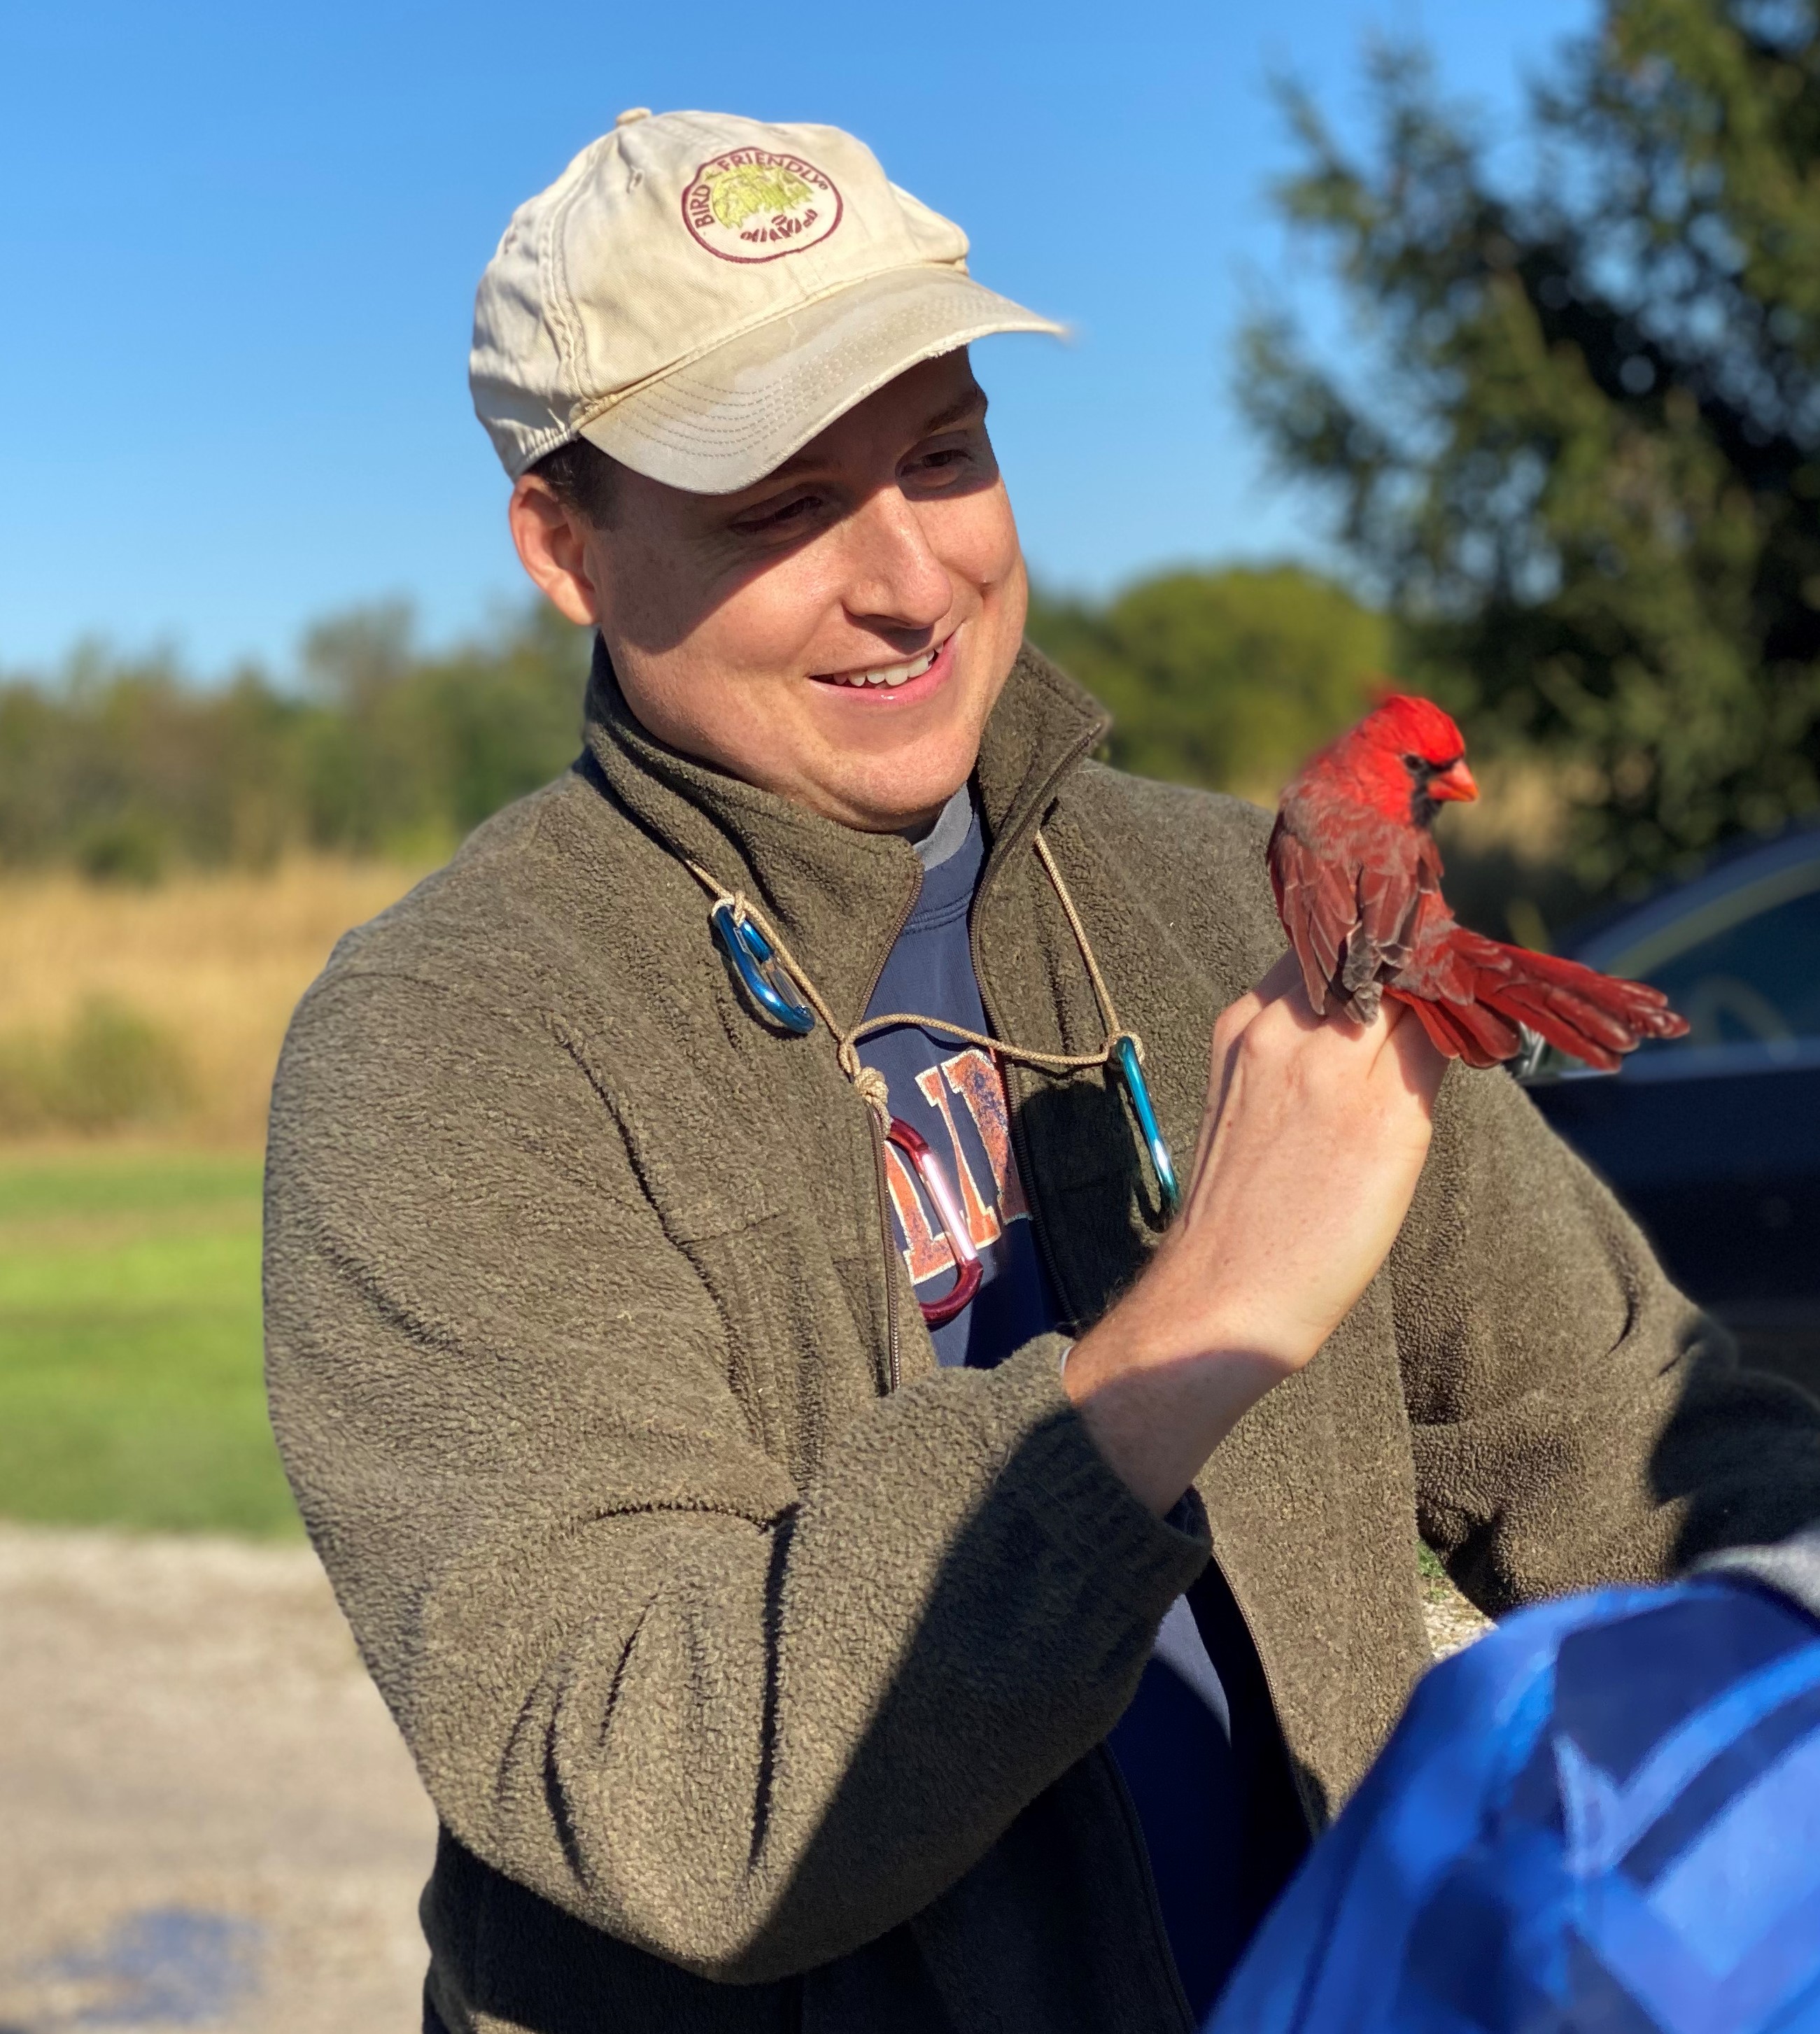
[[1187, 1312]]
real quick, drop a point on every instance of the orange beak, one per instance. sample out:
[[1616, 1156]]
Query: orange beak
[[1455, 782]]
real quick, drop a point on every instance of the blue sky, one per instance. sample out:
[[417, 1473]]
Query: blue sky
[[239, 247]]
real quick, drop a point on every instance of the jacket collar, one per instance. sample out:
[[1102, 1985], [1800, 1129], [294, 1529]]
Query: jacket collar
[[838, 895]]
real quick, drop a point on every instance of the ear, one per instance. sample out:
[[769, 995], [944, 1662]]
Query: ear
[[552, 544]]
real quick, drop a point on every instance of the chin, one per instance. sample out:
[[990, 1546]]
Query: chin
[[883, 773], [884, 799]]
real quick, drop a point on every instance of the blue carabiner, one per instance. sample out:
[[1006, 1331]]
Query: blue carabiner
[[755, 958], [1132, 1073]]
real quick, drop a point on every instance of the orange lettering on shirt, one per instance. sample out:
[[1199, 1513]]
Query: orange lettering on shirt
[[974, 1076], [926, 1251], [982, 1223]]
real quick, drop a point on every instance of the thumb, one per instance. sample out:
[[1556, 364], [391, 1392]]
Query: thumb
[[1284, 979]]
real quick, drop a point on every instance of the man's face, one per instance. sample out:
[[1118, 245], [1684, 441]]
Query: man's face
[[750, 629]]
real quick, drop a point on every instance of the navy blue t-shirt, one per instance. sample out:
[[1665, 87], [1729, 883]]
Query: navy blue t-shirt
[[1199, 1747]]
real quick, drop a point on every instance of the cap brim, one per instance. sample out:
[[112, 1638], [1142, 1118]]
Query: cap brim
[[733, 415]]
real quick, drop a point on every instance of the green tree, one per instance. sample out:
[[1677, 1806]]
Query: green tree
[[1224, 678], [1577, 446], [125, 768]]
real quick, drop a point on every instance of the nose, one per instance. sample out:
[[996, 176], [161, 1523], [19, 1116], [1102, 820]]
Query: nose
[[894, 581]]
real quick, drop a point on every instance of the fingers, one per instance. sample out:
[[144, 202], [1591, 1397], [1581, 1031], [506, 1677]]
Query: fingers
[[1279, 990], [1394, 1041], [1281, 981], [1284, 977], [1273, 1022]]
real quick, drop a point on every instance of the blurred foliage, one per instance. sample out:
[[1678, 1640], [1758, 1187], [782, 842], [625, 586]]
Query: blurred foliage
[[1226, 678], [109, 1068], [124, 770], [127, 771], [1576, 447]]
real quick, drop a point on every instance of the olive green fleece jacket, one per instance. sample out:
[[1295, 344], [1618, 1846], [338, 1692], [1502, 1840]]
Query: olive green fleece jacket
[[751, 1693]]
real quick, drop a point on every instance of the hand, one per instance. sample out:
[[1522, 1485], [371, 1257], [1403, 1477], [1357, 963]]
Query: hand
[[1314, 1138]]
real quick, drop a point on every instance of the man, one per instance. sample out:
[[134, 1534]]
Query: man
[[758, 1605]]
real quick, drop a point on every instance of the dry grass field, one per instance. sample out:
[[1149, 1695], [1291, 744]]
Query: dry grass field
[[211, 965], [156, 1013]]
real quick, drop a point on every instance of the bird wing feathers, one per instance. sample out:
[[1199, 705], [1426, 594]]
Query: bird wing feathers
[[1352, 917], [1365, 914], [1358, 881]]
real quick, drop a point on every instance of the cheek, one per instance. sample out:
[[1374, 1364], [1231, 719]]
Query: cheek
[[718, 681], [749, 652], [976, 537]]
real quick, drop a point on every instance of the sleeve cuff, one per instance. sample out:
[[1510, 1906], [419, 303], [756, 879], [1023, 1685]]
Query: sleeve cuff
[[1085, 1509]]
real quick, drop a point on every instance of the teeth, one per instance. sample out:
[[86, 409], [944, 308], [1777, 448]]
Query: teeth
[[895, 674]]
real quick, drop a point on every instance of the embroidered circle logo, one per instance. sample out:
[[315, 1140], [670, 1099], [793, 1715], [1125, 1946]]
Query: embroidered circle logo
[[752, 205]]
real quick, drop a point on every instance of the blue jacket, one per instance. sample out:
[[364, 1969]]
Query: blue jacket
[[1604, 1818]]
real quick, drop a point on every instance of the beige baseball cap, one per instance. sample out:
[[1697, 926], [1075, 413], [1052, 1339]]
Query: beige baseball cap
[[700, 294]]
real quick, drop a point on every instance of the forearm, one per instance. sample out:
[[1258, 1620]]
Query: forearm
[[689, 1728], [1160, 1386], [958, 1612], [1315, 1136], [644, 1668]]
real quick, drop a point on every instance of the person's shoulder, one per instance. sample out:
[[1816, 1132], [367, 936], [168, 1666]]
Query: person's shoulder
[[1193, 858], [454, 916], [1177, 824], [500, 925]]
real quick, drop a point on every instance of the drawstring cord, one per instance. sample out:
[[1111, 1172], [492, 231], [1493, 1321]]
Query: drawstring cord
[[867, 1081], [759, 954]]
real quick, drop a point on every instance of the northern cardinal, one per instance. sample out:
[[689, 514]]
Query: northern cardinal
[[1358, 881]]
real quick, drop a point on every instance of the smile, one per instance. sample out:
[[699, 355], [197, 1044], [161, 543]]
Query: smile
[[887, 676]]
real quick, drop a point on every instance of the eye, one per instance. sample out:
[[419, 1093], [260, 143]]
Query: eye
[[778, 517], [1414, 765], [940, 462], [936, 467]]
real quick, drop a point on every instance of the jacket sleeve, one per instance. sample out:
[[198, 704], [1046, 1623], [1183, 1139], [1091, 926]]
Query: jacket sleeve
[[1576, 1419], [743, 1725]]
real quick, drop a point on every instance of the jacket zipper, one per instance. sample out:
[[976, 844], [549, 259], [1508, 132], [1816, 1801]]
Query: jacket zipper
[[888, 1244], [1134, 1835], [1046, 1251], [1013, 1076]]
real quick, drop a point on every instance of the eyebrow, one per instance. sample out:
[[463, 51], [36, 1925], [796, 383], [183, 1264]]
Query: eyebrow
[[974, 400]]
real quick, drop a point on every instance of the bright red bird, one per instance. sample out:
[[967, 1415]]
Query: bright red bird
[[1358, 881]]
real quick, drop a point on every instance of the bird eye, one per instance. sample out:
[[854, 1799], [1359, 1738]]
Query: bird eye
[[1414, 763]]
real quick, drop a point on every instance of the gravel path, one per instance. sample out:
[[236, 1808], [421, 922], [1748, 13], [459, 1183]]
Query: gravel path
[[209, 1820], [1452, 1622]]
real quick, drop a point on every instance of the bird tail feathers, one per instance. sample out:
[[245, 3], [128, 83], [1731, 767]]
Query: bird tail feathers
[[1596, 1018]]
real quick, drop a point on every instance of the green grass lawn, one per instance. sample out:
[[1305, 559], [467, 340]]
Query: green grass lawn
[[129, 1344]]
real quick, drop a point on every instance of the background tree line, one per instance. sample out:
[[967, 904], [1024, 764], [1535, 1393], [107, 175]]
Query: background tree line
[[1574, 448], [125, 769], [1570, 461]]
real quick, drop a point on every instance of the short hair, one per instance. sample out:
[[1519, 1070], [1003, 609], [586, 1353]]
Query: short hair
[[583, 478]]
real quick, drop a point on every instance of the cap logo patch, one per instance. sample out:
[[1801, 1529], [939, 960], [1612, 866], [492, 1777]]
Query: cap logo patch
[[752, 205]]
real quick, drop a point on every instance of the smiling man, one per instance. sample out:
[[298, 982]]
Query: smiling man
[[852, 1542]]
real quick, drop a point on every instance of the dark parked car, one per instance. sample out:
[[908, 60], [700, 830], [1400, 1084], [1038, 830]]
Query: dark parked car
[[1714, 1140]]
